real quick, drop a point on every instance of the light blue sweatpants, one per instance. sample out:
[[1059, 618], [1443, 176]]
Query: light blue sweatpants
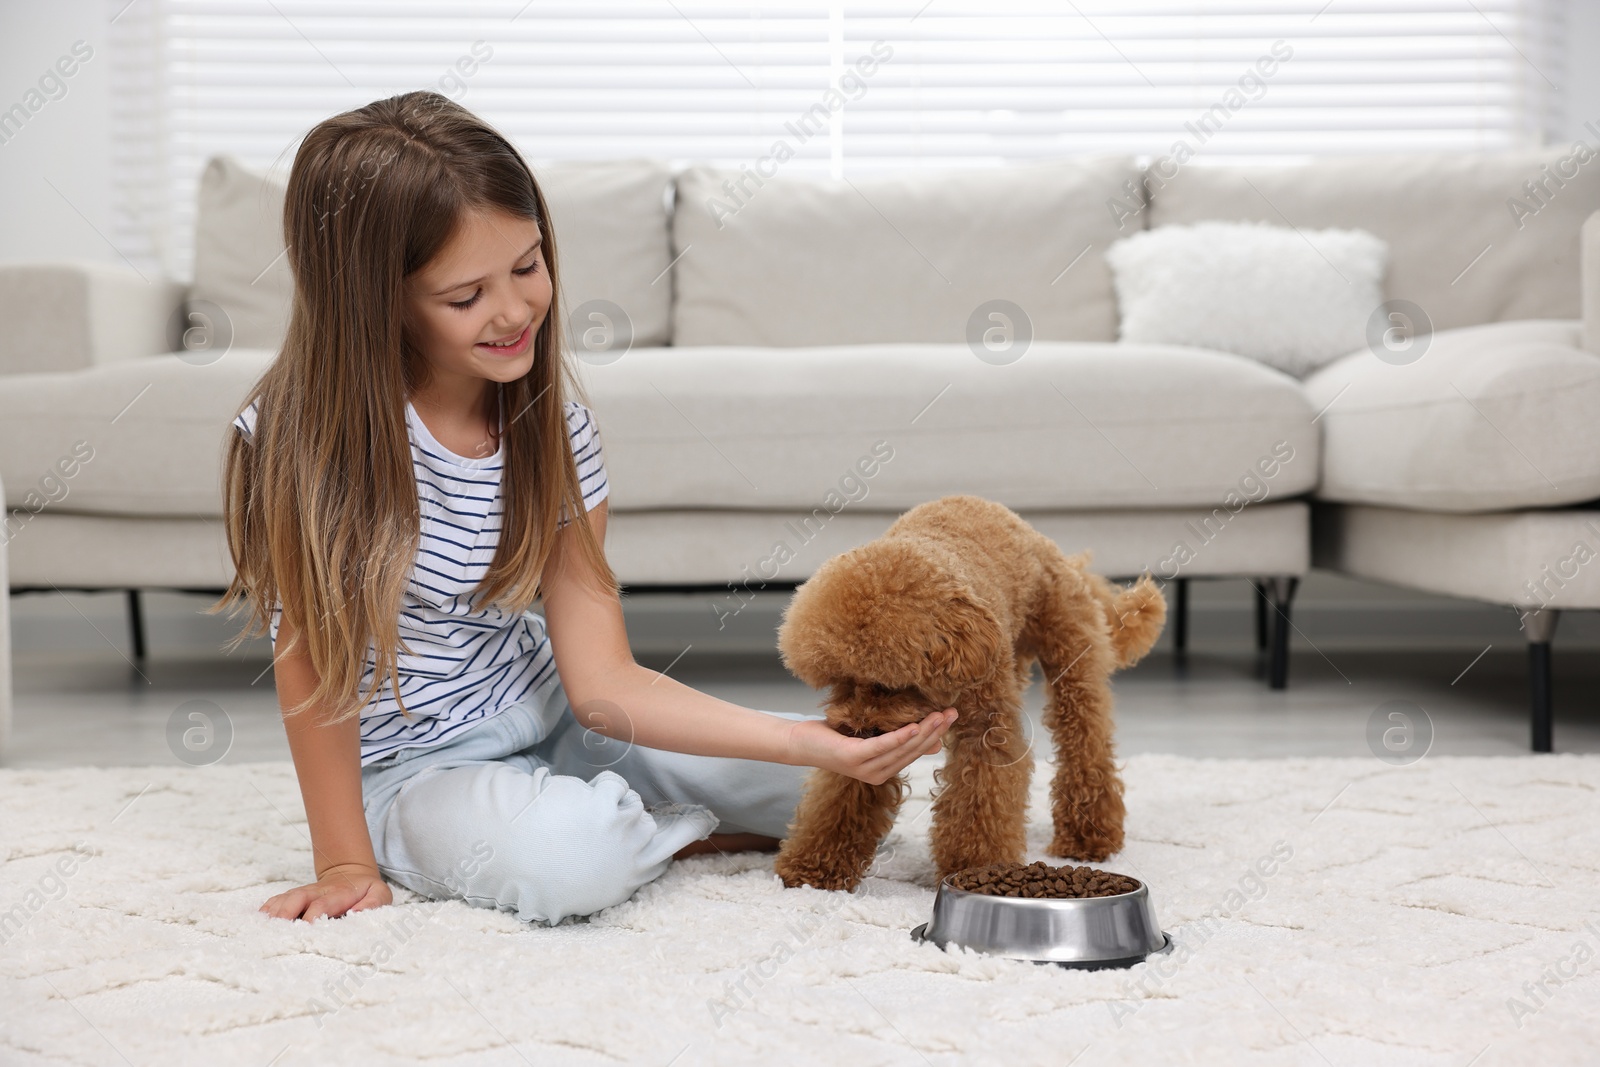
[[528, 811]]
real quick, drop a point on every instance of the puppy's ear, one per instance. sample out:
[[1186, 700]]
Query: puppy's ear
[[963, 641], [811, 637]]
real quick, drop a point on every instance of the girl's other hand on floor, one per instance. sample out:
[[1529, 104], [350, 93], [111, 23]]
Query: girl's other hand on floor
[[340, 889], [874, 760]]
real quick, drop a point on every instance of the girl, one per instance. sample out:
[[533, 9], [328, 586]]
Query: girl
[[401, 489]]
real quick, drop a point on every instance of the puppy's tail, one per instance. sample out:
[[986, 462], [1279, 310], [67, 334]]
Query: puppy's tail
[[1134, 616]]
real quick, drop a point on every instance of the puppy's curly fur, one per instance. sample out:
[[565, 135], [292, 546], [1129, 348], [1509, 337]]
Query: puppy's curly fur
[[950, 608]]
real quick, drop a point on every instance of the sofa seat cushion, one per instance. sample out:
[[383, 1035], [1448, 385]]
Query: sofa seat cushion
[[918, 256], [1489, 418], [154, 428], [1069, 425]]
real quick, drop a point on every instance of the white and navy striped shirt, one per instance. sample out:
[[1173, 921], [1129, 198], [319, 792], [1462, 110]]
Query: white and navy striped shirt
[[467, 661]]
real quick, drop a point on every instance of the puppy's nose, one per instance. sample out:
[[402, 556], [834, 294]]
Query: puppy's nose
[[852, 730]]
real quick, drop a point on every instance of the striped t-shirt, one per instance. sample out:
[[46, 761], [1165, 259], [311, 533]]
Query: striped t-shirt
[[467, 661]]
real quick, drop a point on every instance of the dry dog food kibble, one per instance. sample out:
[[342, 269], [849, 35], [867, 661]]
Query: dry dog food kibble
[[1039, 879]]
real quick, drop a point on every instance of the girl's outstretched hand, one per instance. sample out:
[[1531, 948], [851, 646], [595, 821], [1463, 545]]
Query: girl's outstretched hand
[[874, 760], [350, 887]]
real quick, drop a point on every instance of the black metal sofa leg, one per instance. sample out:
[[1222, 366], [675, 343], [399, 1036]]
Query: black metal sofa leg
[[1278, 592], [136, 625], [1180, 616], [1261, 616], [1540, 627]]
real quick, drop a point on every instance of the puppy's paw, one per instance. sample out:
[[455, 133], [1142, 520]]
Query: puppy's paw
[[795, 873], [1086, 849]]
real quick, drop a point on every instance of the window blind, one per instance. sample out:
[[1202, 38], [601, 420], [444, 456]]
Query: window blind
[[843, 87]]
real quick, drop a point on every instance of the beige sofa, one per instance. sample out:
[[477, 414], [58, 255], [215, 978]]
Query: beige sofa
[[780, 366]]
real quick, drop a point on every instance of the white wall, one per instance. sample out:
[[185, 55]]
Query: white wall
[[66, 144], [1583, 71]]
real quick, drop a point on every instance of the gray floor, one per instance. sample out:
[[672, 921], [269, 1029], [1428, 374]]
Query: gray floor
[[1360, 653]]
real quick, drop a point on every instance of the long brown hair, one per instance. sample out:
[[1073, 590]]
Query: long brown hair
[[321, 504]]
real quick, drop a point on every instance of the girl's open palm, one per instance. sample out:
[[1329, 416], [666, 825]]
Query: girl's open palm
[[870, 759], [339, 890]]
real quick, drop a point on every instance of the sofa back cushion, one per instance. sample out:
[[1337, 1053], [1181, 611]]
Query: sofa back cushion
[[788, 261], [611, 234], [1470, 240], [239, 261]]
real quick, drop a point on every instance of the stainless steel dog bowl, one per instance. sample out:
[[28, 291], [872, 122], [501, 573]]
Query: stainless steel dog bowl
[[1086, 932]]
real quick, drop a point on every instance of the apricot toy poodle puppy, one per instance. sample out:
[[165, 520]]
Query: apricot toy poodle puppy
[[950, 608]]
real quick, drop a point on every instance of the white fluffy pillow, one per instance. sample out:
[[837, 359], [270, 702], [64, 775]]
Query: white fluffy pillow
[[1293, 299]]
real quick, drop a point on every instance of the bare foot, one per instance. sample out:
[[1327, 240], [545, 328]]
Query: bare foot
[[729, 843]]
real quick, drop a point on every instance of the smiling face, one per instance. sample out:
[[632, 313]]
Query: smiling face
[[488, 284]]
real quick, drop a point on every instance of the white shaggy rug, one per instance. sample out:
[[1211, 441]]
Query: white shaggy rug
[[1442, 913]]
